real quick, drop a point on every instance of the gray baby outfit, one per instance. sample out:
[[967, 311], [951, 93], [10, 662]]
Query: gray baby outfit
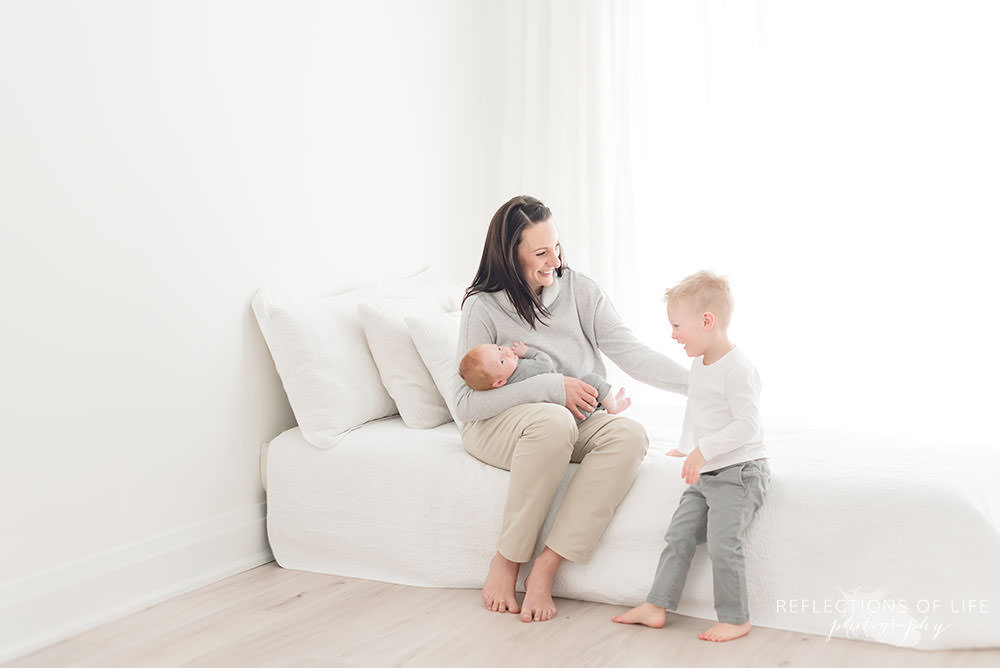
[[536, 362]]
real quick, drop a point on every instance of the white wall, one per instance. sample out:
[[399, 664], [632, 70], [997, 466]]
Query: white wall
[[158, 163]]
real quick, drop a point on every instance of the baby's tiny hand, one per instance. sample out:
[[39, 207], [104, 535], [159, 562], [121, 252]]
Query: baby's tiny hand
[[519, 348], [675, 453]]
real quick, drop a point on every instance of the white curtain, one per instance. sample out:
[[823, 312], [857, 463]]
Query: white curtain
[[559, 104], [840, 162]]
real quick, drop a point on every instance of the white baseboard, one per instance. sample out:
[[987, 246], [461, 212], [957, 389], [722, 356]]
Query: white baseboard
[[43, 609]]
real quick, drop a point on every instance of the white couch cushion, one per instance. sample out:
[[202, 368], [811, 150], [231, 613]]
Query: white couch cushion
[[436, 338], [846, 523], [400, 366]]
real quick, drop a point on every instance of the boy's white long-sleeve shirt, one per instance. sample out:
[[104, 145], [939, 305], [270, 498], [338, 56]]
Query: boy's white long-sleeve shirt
[[723, 412]]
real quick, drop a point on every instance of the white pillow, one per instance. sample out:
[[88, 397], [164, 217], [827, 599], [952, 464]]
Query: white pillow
[[436, 339], [399, 364], [322, 356]]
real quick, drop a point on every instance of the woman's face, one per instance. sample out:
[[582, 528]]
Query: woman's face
[[538, 254]]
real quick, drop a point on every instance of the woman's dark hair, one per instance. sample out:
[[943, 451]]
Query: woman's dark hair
[[500, 269]]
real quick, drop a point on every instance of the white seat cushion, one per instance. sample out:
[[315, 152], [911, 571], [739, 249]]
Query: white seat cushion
[[850, 522]]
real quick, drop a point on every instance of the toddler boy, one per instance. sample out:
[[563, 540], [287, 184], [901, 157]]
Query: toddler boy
[[726, 463]]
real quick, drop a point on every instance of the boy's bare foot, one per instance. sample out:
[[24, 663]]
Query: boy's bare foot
[[722, 632], [498, 592], [538, 604], [646, 614], [616, 403]]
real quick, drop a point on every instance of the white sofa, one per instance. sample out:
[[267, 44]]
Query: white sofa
[[894, 542]]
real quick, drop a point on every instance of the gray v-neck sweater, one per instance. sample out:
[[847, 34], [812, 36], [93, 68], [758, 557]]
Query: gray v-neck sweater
[[583, 321]]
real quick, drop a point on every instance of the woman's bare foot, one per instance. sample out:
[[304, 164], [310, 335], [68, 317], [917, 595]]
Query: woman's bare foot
[[616, 403], [538, 604], [722, 632], [646, 614], [498, 592]]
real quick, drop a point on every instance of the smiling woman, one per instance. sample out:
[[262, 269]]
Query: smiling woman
[[538, 254], [523, 292], [522, 251]]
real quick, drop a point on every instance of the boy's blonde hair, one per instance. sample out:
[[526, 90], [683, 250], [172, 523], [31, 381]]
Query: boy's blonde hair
[[473, 372], [706, 292]]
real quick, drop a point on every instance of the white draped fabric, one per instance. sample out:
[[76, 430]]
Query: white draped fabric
[[559, 96], [838, 161]]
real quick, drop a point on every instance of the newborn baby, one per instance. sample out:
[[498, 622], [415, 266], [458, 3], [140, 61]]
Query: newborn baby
[[491, 365]]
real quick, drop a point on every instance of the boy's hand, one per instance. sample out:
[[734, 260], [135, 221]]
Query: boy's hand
[[691, 470], [519, 348], [675, 453]]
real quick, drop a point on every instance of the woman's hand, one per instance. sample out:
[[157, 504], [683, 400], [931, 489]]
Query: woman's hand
[[579, 396]]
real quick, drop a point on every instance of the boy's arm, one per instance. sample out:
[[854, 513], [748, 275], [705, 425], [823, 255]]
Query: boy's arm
[[743, 396]]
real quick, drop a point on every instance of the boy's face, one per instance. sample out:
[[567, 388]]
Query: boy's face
[[692, 329], [498, 362]]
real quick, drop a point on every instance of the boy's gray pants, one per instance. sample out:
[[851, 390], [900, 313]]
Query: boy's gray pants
[[717, 509]]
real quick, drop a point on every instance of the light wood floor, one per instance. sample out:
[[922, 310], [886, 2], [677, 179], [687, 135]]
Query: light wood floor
[[270, 616]]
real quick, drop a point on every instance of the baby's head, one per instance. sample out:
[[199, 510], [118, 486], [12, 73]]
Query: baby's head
[[487, 366], [699, 309]]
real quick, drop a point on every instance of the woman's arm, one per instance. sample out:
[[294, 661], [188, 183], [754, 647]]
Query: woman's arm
[[622, 347], [475, 329]]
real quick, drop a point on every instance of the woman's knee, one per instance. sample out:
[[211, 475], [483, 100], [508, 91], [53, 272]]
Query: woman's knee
[[551, 423], [633, 436]]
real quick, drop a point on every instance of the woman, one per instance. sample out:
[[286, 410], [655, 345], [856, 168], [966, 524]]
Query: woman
[[523, 291]]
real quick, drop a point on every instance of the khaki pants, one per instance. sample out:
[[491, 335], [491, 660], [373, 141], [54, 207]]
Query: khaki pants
[[536, 442]]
